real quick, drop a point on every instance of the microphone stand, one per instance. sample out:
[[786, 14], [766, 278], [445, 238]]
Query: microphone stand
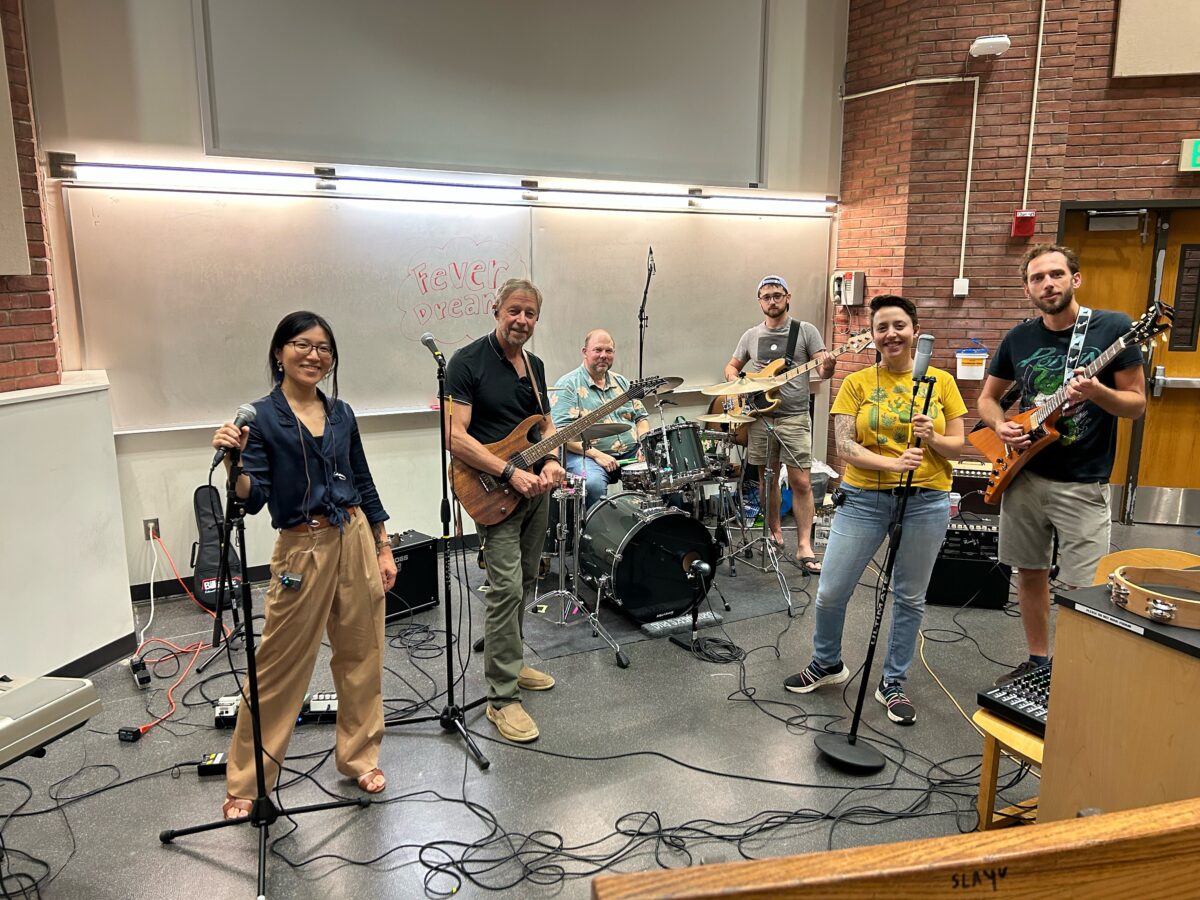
[[263, 813], [841, 749], [643, 319], [452, 717]]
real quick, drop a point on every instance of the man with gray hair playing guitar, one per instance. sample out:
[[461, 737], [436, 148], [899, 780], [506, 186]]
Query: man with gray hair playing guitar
[[1057, 484]]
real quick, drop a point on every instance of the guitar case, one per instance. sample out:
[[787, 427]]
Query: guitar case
[[206, 550]]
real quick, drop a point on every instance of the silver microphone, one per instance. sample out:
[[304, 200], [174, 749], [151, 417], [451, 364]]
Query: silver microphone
[[924, 353], [428, 340], [245, 415]]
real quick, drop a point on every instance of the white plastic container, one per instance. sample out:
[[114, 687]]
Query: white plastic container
[[972, 363]]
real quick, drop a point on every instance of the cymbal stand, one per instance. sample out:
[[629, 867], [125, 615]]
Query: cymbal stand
[[725, 503], [770, 553]]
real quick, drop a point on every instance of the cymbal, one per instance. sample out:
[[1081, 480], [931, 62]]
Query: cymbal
[[725, 418], [744, 385], [603, 430]]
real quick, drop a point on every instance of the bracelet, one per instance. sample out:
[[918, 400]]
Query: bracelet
[[507, 473]]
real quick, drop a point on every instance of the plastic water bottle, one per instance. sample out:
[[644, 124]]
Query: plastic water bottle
[[955, 497]]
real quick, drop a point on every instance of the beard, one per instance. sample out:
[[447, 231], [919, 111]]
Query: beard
[[1055, 305]]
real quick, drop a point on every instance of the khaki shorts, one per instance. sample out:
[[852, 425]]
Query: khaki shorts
[[795, 433], [1033, 505]]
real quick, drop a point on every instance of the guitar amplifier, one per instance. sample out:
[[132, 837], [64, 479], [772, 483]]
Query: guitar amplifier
[[970, 478], [966, 569], [416, 575]]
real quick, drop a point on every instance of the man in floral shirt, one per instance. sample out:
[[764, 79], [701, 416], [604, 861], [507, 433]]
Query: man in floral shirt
[[588, 388]]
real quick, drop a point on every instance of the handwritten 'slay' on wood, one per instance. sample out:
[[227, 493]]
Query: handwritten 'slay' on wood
[[1146, 853]]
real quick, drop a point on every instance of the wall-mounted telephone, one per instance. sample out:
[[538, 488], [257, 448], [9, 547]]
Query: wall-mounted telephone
[[846, 287]]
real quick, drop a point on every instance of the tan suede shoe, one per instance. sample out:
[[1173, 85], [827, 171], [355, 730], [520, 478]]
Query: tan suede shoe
[[513, 723], [533, 680]]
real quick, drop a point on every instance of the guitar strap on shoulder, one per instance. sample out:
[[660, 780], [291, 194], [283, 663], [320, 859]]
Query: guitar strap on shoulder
[[1075, 350], [537, 392], [793, 337]]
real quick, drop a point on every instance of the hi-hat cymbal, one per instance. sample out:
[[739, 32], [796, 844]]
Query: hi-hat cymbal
[[725, 418], [668, 384], [603, 430], [744, 385]]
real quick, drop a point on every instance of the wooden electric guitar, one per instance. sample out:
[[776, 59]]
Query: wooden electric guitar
[[768, 401], [488, 500], [1039, 422]]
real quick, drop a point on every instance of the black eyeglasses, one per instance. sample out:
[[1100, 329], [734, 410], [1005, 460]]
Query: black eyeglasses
[[304, 347], [775, 296]]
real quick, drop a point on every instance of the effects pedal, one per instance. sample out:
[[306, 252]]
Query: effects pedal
[[319, 707], [211, 764], [225, 710]]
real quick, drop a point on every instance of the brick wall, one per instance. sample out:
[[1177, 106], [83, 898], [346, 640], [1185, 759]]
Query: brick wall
[[29, 354], [1096, 138]]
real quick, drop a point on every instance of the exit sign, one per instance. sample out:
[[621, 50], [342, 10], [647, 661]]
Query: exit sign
[[1189, 155]]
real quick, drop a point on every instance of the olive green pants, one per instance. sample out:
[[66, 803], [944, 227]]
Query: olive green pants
[[512, 551]]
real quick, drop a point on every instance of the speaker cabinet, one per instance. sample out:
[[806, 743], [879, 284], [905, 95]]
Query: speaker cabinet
[[966, 568], [416, 575]]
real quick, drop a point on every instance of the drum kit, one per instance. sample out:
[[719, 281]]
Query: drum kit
[[638, 548]]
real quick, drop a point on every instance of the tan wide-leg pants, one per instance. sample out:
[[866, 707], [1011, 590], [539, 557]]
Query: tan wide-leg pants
[[341, 592]]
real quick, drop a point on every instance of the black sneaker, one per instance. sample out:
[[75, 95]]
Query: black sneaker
[[1023, 669], [814, 676], [899, 708]]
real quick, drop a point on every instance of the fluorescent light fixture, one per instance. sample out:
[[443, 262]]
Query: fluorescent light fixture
[[195, 179], [429, 191], [768, 206], [606, 200]]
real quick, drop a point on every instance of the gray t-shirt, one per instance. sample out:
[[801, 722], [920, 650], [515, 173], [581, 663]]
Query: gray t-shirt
[[761, 344]]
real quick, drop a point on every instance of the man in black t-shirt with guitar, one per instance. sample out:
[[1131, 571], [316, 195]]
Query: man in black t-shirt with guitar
[[1075, 360]]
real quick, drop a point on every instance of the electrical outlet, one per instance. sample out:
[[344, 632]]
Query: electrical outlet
[[150, 528]]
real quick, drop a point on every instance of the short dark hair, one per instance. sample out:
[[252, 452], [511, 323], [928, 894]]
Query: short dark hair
[[289, 326], [884, 300], [1041, 250]]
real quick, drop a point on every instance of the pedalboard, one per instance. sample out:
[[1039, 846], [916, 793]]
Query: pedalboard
[[319, 707]]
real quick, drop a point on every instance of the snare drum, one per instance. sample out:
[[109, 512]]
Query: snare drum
[[641, 552], [677, 460], [637, 476]]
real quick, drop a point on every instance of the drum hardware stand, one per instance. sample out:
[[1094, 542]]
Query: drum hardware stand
[[698, 571], [770, 553], [575, 493], [724, 503], [843, 749], [263, 813], [452, 717], [643, 319]]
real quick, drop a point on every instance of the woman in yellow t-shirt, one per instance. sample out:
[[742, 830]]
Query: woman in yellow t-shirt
[[876, 422]]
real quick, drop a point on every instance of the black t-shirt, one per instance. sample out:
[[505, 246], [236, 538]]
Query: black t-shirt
[[478, 374], [1034, 356]]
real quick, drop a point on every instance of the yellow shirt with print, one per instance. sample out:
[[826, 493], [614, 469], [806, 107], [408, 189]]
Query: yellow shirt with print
[[881, 403]]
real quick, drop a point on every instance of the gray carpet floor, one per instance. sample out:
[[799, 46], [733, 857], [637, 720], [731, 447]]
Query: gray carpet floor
[[673, 761]]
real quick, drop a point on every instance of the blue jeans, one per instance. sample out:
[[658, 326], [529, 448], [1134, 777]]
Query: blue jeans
[[859, 527], [596, 477]]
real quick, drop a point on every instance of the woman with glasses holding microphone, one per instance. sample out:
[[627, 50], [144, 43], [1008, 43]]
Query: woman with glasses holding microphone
[[303, 459]]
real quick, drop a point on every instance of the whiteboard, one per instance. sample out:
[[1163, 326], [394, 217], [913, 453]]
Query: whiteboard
[[179, 292], [591, 267]]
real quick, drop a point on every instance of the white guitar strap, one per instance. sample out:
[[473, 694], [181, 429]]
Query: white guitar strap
[[1075, 350]]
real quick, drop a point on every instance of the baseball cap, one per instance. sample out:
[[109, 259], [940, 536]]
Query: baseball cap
[[773, 279]]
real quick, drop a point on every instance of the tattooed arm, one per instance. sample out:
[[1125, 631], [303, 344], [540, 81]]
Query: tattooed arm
[[850, 450]]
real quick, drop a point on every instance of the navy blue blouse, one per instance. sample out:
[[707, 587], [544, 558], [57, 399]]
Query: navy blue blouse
[[298, 476]]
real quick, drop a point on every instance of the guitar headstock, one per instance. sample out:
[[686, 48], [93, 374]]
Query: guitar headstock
[[857, 343], [653, 385], [1154, 321]]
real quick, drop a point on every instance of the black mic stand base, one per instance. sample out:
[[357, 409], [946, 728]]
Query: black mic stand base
[[849, 754]]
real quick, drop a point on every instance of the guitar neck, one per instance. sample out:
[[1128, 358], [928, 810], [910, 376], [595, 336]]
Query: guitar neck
[[1056, 400], [571, 432], [812, 364]]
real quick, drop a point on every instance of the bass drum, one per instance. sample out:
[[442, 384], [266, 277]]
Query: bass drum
[[642, 551]]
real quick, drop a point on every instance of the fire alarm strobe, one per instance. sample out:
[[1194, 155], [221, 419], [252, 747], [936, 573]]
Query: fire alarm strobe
[[1024, 221]]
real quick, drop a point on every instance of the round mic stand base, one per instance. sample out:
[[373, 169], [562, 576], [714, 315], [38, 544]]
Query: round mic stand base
[[845, 752]]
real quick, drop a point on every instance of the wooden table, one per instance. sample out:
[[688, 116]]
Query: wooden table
[[1001, 736]]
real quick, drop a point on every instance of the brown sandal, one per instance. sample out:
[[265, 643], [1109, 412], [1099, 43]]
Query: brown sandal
[[373, 782], [236, 807]]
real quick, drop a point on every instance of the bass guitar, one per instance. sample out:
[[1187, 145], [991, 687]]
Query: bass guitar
[[767, 401], [488, 500], [1040, 421]]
